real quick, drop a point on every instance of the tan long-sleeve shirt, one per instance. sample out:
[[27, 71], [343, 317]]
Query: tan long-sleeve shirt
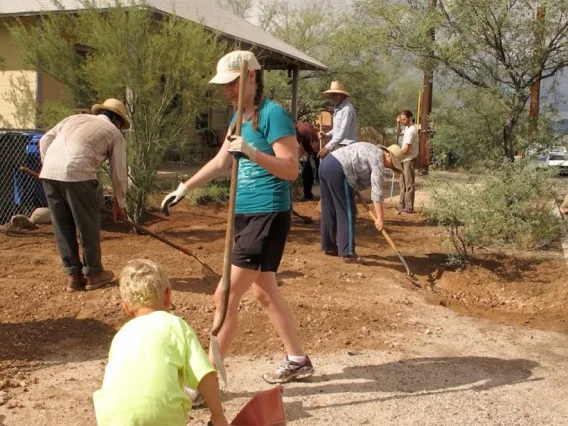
[[74, 150]]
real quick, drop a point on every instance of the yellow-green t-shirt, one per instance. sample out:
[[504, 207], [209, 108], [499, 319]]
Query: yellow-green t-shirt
[[150, 359]]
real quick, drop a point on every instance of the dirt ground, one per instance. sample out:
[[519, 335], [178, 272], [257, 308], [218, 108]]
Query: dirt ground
[[54, 343]]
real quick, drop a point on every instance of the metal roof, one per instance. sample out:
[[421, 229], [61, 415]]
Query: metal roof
[[205, 12]]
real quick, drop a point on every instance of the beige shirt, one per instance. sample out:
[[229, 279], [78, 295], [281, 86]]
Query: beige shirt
[[74, 150]]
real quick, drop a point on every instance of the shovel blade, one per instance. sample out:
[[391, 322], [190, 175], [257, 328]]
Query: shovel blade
[[265, 409], [218, 359]]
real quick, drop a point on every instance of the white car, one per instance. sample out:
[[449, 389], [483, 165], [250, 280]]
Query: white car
[[555, 149], [560, 160]]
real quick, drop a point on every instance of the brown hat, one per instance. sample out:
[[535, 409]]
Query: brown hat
[[396, 154], [336, 87], [114, 105]]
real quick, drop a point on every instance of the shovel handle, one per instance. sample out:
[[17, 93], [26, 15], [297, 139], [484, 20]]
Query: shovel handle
[[229, 236], [384, 233]]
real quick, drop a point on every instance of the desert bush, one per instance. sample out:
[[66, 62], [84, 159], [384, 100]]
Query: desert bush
[[214, 192], [511, 206]]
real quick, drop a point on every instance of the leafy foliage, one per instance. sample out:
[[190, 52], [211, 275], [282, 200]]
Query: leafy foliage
[[496, 45], [510, 207], [158, 65]]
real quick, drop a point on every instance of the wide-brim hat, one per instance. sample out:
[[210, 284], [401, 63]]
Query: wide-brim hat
[[229, 66], [336, 87], [396, 154], [113, 105]]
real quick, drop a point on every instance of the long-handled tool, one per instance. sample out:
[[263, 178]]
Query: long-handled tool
[[229, 236], [143, 230], [409, 275]]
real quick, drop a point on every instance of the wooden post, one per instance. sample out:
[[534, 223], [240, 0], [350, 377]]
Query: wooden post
[[295, 77], [426, 107]]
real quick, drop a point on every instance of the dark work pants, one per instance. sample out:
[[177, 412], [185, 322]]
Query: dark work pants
[[308, 175], [337, 208], [406, 199], [74, 206]]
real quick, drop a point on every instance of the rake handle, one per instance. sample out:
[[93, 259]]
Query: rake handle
[[139, 228]]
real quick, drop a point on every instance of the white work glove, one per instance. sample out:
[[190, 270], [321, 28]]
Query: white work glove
[[241, 148], [174, 197]]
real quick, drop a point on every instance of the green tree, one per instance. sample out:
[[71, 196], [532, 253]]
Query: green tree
[[158, 64], [496, 45]]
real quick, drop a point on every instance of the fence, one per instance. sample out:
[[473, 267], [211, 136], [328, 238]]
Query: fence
[[19, 192]]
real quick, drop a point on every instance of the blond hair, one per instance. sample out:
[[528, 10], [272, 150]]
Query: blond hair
[[142, 282]]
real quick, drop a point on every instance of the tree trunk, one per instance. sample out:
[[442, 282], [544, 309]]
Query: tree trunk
[[508, 139]]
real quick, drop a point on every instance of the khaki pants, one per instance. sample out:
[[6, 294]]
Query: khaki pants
[[407, 186]]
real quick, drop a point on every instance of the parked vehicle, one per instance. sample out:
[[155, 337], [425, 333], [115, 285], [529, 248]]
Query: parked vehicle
[[560, 160], [558, 149]]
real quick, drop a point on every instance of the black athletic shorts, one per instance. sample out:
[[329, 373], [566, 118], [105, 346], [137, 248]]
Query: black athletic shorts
[[260, 239]]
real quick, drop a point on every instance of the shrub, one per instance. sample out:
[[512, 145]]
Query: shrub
[[511, 206]]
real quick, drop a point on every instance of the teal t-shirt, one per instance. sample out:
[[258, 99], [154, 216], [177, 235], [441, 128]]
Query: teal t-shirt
[[257, 190]]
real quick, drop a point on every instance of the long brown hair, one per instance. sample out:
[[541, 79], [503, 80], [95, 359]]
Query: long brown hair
[[257, 98]]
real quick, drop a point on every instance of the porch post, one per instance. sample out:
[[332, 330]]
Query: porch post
[[294, 108]]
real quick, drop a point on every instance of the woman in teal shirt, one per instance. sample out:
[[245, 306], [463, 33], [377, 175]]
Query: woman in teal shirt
[[268, 163]]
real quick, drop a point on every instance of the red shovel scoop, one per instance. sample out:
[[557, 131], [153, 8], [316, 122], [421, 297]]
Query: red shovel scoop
[[264, 409]]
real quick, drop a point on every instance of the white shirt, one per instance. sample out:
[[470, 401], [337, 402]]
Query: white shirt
[[411, 138]]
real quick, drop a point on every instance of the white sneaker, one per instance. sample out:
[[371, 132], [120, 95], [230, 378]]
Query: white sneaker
[[195, 396]]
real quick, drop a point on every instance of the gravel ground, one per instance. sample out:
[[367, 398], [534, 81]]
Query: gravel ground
[[444, 369]]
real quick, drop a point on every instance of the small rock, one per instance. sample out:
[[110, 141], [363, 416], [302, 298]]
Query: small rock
[[428, 332], [19, 221], [40, 216], [4, 397], [23, 384], [354, 353]]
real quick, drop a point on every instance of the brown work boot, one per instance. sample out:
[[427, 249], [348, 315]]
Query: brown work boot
[[98, 280], [76, 282]]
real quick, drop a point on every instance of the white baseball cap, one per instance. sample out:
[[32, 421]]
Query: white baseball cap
[[228, 67]]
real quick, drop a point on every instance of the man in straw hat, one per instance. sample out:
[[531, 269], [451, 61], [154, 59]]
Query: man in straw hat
[[344, 131], [355, 167], [72, 153]]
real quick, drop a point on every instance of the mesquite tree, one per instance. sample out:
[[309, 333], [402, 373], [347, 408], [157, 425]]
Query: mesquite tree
[[159, 65]]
